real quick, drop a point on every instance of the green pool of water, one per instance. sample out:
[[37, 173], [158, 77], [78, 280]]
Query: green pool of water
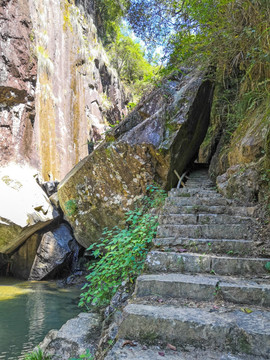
[[28, 310]]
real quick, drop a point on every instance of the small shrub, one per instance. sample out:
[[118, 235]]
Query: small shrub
[[36, 355], [121, 253]]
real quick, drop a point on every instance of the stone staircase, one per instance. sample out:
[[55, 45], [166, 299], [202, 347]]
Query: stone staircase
[[204, 296]]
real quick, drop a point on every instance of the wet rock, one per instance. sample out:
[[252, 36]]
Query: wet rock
[[161, 135], [3, 264], [22, 260], [74, 337], [24, 207], [55, 252]]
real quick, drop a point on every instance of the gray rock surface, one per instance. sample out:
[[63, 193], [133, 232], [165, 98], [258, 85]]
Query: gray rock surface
[[74, 338], [143, 352], [55, 251], [148, 145]]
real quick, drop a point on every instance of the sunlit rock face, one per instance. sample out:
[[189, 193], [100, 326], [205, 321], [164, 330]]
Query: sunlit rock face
[[18, 73], [24, 206], [161, 135], [56, 85]]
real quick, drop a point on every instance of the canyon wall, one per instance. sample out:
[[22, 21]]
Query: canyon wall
[[57, 89]]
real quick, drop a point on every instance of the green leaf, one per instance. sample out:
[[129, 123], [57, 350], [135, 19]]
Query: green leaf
[[267, 266]]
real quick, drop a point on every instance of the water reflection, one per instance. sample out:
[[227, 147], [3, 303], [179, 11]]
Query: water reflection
[[28, 316]]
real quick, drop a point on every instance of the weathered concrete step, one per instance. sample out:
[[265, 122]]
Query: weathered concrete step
[[188, 192], [206, 201], [204, 288], [201, 209], [182, 326], [203, 185], [195, 219], [208, 246], [121, 350], [158, 261], [212, 231], [199, 179]]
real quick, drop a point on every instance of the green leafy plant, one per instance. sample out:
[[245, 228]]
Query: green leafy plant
[[267, 266], [71, 207], [87, 356], [121, 253], [37, 355]]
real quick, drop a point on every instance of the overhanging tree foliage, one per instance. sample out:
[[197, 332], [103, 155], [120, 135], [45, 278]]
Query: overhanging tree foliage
[[232, 34]]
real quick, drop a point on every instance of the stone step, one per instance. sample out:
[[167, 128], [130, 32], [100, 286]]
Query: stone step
[[188, 192], [212, 231], [204, 288], [205, 209], [195, 219], [198, 176], [183, 326], [158, 261], [199, 179], [192, 201], [203, 185], [208, 246], [136, 351]]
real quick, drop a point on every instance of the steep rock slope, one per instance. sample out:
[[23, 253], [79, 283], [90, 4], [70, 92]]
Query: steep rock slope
[[57, 88], [18, 74], [161, 136]]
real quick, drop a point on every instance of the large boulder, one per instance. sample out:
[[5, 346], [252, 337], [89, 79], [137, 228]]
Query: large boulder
[[55, 252], [162, 135], [74, 337], [24, 206]]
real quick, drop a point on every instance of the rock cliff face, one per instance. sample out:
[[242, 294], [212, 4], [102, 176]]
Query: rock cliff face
[[56, 85], [18, 75], [57, 95], [161, 135], [241, 165]]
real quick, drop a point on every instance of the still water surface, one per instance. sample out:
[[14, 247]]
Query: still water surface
[[28, 310]]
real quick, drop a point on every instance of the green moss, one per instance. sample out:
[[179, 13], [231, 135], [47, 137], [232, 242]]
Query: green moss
[[244, 345], [170, 126], [71, 207], [184, 195], [109, 138]]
